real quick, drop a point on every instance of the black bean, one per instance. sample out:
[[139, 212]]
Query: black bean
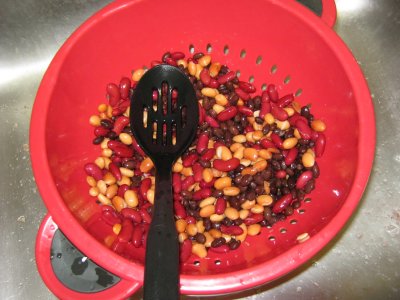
[[111, 135], [205, 163], [106, 124], [135, 181], [259, 120], [263, 223], [266, 129], [218, 242], [207, 224], [234, 244], [198, 55], [258, 179], [266, 174], [217, 193], [259, 189], [296, 204], [289, 211], [97, 140], [315, 170], [246, 179], [200, 238], [233, 130], [233, 99], [309, 186], [130, 164], [206, 103], [250, 195], [186, 194], [227, 222], [305, 111], [238, 222]]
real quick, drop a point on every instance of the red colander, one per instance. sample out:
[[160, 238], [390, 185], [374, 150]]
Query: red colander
[[265, 41]]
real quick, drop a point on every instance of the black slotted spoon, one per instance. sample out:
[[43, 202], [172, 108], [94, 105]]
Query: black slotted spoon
[[177, 115]]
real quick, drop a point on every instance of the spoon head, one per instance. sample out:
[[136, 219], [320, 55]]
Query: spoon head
[[164, 113]]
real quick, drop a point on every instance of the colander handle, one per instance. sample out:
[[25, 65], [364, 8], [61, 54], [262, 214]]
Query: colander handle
[[122, 290], [329, 12]]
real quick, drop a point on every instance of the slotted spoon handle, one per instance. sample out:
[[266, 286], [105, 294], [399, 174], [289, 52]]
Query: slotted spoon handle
[[161, 277]]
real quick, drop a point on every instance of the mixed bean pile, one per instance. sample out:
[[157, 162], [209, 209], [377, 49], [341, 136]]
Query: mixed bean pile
[[251, 165]]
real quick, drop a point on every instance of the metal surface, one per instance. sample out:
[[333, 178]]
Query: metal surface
[[363, 262]]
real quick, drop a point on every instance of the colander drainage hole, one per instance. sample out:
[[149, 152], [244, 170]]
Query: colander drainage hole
[[274, 68], [283, 230], [287, 79], [209, 48], [301, 211], [263, 86], [293, 222], [191, 48], [251, 79], [196, 263], [271, 238], [243, 53], [298, 92], [259, 60], [217, 262], [226, 49], [307, 200], [238, 73]]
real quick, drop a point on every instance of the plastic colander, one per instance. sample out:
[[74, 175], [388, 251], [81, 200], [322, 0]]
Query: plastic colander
[[266, 41]]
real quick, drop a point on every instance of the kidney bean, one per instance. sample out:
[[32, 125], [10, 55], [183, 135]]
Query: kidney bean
[[205, 76], [204, 184], [303, 179], [280, 174], [227, 113], [197, 172], [171, 61], [189, 160], [126, 231], [187, 182], [202, 114], [124, 87], [231, 230], [213, 83], [177, 55], [279, 113], [208, 154], [145, 215], [93, 170], [115, 171], [282, 203], [291, 156], [226, 77], [113, 94], [202, 143], [220, 206], [176, 183], [220, 249], [276, 139], [144, 187], [266, 143], [100, 131], [285, 100], [304, 130], [245, 111], [314, 135], [247, 87], [242, 94], [185, 250], [123, 105], [110, 217], [136, 147], [180, 211], [211, 121], [265, 108], [293, 119], [137, 236], [320, 145], [248, 129], [120, 124], [253, 219], [131, 214], [272, 93], [123, 151], [202, 194], [226, 165]]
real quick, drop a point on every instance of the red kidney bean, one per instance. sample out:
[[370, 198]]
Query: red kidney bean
[[220, 249], [227, 113], [257, 147], [93, 170], [320, 145], [205, 76], [211, 121], [137, 236], [115, 171], [303, 179], [276, 139], [171, 61], [231, 230], [123, 105], [122, 189], [107, 208], [101, 131], [113, 94], [124, 87], [279, 113], [185, 250], [180, 211], [291, 156], [116, 160], [245, 110], [144, 187], [204, 184], [272, 93], [117, 112], [202, 143], [226, 77], [126, 231], [242, 94], [253, 219], [248, 129], [218, 144], [282, 203], [189, 160], [280, 174], [304, 130], [110, 217], [265, 97], [145, 234], [176, 183], [314, 135], [220, 206], [155, 63], [265, 108], [266, 143], [187, 182], [208, 154], [213, 83], [190, 220], [293, 119], [202, 114], [136, 147], [120, 124], [177, 55], [202, 194], [131, 214], [145, 215], [178, 197], [285, 100], [247, 87], [123, 151], [226, 165], [198, 172]]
